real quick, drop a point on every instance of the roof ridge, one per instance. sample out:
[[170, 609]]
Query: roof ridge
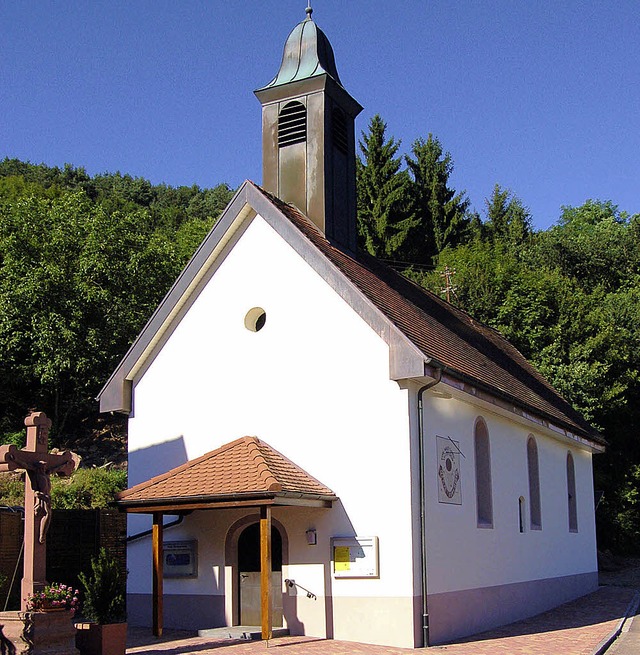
[[264, 472], [369, 261], [298, 469], [387, 288], [363, 255]]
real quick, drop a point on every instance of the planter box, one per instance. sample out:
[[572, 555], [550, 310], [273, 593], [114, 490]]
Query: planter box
[[97, 639]]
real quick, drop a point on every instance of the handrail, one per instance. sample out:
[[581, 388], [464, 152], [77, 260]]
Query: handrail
[[293, 583]]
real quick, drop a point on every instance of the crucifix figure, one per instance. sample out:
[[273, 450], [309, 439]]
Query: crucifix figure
[[39, 466]]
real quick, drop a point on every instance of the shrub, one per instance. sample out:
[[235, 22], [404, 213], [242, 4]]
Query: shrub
[[93, 488], [11, 489], [18, 439], [88, 488], [104, 591]]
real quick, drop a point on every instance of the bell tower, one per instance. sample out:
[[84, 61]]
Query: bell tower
[[308, 135]]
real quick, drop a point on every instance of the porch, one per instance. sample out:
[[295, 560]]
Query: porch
[[246, 475]]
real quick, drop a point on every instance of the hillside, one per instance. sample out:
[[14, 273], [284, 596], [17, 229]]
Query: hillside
[[85, 260]]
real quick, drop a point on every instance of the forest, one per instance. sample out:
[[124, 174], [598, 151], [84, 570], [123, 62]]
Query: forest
[[84, 260]]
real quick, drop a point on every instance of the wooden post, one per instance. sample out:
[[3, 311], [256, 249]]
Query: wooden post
[[265, 570], [157, 574]]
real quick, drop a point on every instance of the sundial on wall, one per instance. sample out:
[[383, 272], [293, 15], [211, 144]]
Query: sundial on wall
[[449, 482]]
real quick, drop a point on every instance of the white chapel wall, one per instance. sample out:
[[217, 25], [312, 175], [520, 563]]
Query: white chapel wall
[[463, 556], [314, 384]]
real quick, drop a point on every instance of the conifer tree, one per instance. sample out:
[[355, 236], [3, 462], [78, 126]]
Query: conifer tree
[[508, 220], [384, 219], [443, 215]]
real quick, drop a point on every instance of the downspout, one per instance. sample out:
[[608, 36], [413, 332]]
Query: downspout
[[423, 523]]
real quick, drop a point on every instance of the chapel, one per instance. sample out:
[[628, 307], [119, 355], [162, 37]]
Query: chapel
[[320, 446]]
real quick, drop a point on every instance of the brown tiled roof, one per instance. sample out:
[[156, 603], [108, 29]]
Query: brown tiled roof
[[245, 468], [462, 346]]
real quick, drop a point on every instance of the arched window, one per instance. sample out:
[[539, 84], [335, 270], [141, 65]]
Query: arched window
[[571, 494], [292, 124], [534, 484], [483, 475]]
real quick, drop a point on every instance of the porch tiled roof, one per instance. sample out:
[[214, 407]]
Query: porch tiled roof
[[462, 346], [244, 468]]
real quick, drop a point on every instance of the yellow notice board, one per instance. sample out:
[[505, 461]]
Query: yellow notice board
[[355, 557]]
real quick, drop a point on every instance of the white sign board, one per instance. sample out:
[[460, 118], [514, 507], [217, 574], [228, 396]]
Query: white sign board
[[180, 559], [355, 557]]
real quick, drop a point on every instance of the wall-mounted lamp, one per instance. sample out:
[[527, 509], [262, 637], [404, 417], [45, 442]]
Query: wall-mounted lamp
[[312, 537]]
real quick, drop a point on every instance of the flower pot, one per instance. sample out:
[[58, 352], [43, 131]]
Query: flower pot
[[98, 639]]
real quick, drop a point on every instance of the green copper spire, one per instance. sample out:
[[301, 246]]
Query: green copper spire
[[307, 53], [308, 135]]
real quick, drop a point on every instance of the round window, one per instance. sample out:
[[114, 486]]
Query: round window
[[255, 319]]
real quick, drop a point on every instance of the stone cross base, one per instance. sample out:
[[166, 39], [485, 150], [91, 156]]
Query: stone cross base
[[38, 633]]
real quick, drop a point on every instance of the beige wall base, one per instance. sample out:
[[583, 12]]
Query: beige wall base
[[181, 611], [307, 616], [383, 621], [461, 613]]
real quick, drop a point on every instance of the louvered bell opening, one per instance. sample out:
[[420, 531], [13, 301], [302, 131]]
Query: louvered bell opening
[[292, 124], [339, 124]]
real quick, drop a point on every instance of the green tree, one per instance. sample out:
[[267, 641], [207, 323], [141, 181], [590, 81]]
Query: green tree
[[569, 299], [595, 244], [83, 263], [208, 204], [384, 219], [482, 277], [443, 215], [508, 220], [76, 284]]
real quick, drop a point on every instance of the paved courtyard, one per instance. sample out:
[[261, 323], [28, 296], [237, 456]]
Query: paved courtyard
[[582, 627]]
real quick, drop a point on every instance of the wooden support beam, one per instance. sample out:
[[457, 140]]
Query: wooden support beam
[[174, 507], [158, 557], [265, 570]]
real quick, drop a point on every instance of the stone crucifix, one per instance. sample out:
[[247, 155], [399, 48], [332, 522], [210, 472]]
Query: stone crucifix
[[39, 465]]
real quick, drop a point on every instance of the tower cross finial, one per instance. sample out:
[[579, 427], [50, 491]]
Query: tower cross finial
[[309, 10]]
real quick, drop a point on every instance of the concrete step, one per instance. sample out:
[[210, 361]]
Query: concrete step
[[247, 632]]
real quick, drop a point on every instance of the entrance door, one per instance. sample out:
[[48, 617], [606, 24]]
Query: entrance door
[[249, 568]]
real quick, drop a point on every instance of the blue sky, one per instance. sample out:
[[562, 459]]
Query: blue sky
[[540, 97]]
